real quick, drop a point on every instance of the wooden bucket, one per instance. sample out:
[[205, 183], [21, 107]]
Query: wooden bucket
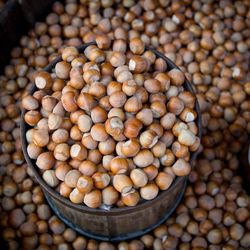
[[115, 224]]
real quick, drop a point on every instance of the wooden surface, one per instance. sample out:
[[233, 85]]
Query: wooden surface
[[129, 223], [34, 9], [244, 169], [12, 25], [16, 18]]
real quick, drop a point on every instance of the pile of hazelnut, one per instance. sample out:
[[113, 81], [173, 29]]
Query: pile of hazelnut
[[209, 41], [112, 125]]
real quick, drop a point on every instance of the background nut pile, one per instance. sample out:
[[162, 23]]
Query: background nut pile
[[210, 41], [111, 125]]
